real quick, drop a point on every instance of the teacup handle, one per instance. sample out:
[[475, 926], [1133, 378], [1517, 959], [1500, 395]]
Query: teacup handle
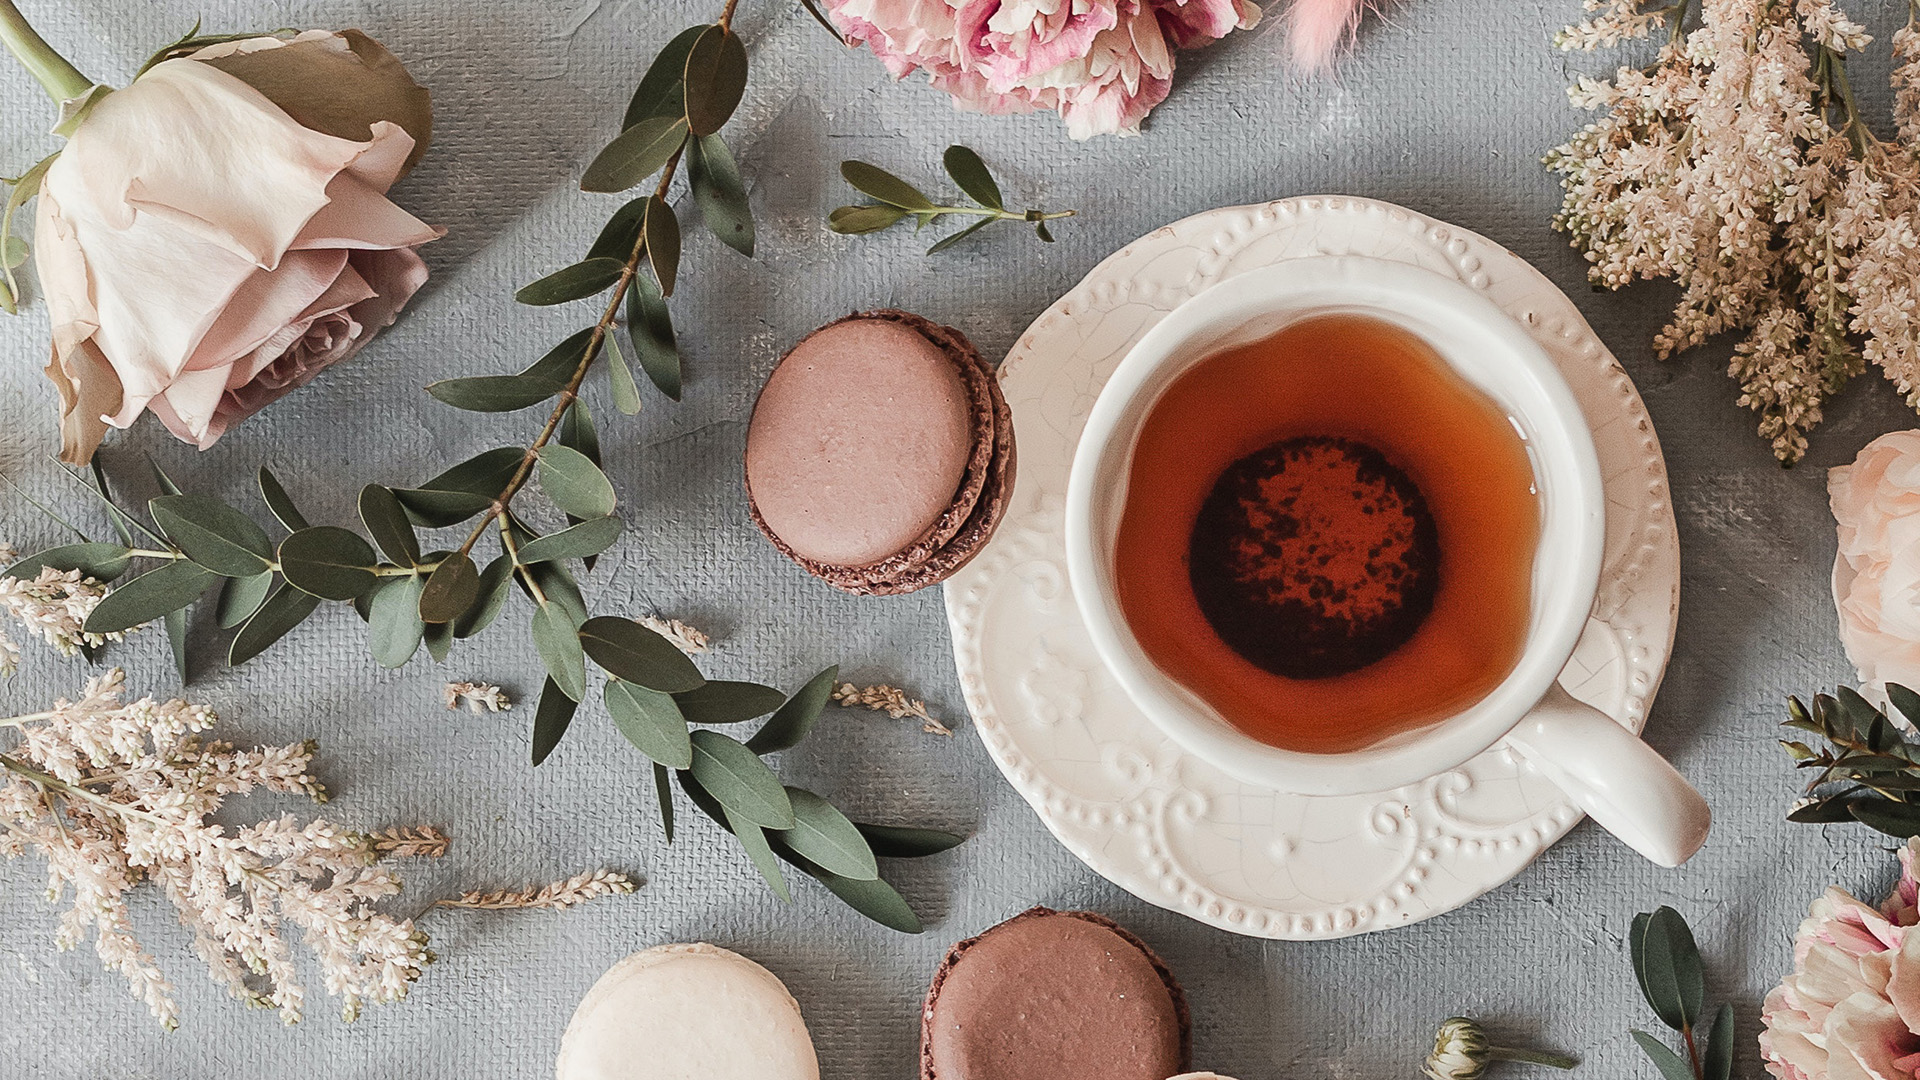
[[1621, 782]]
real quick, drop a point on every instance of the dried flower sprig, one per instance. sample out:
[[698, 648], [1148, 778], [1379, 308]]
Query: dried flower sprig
[[896, 200], [478, 697], [1462, 1051], [1739, 165], [891, 700], [409, 842], [1673, 980], [1869, 771], [559, 896]]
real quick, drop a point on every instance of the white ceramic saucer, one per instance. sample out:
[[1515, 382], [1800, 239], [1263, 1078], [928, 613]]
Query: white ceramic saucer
[[1173, 830]]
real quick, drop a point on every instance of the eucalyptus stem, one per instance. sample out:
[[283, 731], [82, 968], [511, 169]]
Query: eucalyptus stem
[[1531, 1057], [1005, 215], [60, 79]]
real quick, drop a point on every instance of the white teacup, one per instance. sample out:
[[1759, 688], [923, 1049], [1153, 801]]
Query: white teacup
[[1617, 779]]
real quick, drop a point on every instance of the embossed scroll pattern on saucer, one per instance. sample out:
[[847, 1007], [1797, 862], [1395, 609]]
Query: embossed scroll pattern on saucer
[[1173, 830]]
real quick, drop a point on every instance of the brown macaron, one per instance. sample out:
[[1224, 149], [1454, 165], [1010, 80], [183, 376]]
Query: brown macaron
[[1054, 995], [880, 455]]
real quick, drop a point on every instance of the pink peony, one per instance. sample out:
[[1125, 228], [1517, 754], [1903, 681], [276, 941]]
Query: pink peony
[[1851, 1008], [1876, 578], [1101, 64]]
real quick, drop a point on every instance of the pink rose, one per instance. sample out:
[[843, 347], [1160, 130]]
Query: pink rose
[[217, 233], [1876, 576]]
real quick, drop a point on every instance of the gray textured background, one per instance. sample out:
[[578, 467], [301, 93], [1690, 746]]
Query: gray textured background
[[1446, 108]]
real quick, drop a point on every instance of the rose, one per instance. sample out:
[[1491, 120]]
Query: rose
[[218, 232], [1876, 575]]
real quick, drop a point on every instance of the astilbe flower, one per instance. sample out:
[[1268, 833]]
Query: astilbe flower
[[1851, 1007], [53, 606], [1101, 64], [115, 794], [1738, 166]]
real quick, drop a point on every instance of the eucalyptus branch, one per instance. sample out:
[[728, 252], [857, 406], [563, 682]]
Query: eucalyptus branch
[[896, 200]]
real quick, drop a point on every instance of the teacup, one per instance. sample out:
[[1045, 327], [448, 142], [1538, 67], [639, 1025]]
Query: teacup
[[1604, 768]]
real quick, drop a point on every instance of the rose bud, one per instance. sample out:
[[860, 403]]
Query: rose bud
[[218, 232]]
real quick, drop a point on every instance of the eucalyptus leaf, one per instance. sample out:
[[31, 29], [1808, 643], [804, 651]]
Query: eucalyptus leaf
[[551, 718], [1719, 1057], [824, 836], [1823, 812], [753, 840], [632, 652], [387, 522], [1892, 818], [576, 282], [1040, 230], [213, 534], [559, 648], [463, 490], [101, 562], [438, 638], [702, 800], [651, 326], [1671, 1065], [241, 597], [651, 722], [874, 898], [1906, 701], [663, 792], [563, 360], [621, 234], [659, 92], [625, 392], [877, 183], [973, 177], [792, 721], [451, 590], [280, 502], [949, 241], [741, 782], [176, 626], [591, 537], [495, 583], [394, 627], [576, 428], [724, 702], [1668, 965], [638, 153], [561, 590], [153, 594], [285, 609], [574, 482], [716, 78], [662, 230], [160, 477], [896, 842], [494, 393], [720, 193], [329, 562], [859, 220]]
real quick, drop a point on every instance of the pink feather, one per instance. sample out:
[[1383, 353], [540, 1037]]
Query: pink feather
[[1317, 31]]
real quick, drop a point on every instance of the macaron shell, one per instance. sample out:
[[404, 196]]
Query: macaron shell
[[687, 1012], [1053, 995]]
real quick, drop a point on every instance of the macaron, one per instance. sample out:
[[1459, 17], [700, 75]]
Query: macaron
[[880, 456], [687, 1012], [1054, 995]]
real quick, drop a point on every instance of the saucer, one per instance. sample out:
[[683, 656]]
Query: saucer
[[1174, 830]]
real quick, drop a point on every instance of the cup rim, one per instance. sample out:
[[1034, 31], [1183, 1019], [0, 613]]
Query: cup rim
[[1565, 463]]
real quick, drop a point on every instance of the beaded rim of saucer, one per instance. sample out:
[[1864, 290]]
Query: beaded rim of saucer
[[1174, 830]]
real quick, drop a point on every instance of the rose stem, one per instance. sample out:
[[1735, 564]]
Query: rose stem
[[61, 80], [1531, 1057]]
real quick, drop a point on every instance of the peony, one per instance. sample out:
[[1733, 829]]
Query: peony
[[1876, 577], [1101, 64], [217, 233], [1851, 1008]]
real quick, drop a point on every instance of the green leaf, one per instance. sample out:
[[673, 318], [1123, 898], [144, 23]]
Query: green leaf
[[551, 718], [702, 800], [874, 898], [149, 596], [1040, 230], [1823, 812], [176, 624], [278, 501], [450, 591], [561, 361], [167, 486], [662, 228], [1906, 701], [494, 393], [576, 282], [1670, 1064], [574, 482], [1719, 1058], [740, 780], [559, 647], [241, 597], [24, 188], [792, 722], [651, 325], [1668, 964], [877, 183], [822, 835], [213, 534], [285, 609], [13, 252], [663, 791], [438, 638], [591, 537], [561, 590], [716, 79], [720, 193], [753, 839], [723, 702], [659, 92], [651, 722], [495, 581], [463, 490], [577, 431], [626, 392], [638, 153], [1892, 818], [946, 242], [632, 652], [621, 234], [329, 562], [101, 562], [394, 627], [386, 521], [973, 176], [896, 842], [859, 220]]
